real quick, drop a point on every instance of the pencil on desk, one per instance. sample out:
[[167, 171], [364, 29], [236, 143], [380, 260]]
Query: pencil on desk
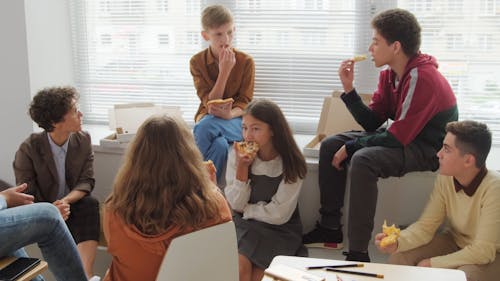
[[336, 266], [355, 272]]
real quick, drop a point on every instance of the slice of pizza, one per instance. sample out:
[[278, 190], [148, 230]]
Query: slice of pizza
[[247, 148], [392, 233], [210, 166], [220, 101], [359, 58]]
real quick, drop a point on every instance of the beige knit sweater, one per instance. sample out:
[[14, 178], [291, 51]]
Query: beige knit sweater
[[474, 222]]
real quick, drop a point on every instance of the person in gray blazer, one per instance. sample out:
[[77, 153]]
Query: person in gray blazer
[[57, 165]]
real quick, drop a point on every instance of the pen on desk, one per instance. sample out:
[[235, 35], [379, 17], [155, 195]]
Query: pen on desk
[[355, 272], [336, 266]]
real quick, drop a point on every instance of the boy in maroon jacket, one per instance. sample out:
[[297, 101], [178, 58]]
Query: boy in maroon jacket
[[420, 102]]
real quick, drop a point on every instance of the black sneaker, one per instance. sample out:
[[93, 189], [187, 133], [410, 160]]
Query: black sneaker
[[322, 237], [356, 256]]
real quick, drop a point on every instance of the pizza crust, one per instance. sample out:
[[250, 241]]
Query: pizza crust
[[210, 166], [247, 147], [359, 58], [220, 101]]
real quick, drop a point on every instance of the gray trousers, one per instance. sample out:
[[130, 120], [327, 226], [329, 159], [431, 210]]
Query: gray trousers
[[366, 166], [443, 244]]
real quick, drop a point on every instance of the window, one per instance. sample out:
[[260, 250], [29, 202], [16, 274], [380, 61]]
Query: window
[[163, 6], [131, 51], [192, 39], [106, 39], [454, 42], [485, 42], [193, 7], [163, 40], [465, 49], [455, 6], [421, 5], [487, 7]]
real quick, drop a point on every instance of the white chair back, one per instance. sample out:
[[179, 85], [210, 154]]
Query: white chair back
[[207, 254]]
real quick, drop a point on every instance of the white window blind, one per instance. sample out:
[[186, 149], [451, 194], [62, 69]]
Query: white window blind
[[297, 47], [139, 50], [465, 39], [134, 51]]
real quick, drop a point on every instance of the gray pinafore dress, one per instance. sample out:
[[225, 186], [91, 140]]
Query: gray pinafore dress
[[260, 242]]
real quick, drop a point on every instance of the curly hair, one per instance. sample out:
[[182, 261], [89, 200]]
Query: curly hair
[[50, 105], [399, 25]]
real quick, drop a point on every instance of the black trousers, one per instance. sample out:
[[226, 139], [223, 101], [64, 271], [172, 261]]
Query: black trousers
[[364, 169], [84, 220]]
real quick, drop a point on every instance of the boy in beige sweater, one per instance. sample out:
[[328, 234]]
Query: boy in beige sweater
[[467, 196]]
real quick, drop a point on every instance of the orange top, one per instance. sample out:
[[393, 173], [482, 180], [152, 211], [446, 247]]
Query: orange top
[[205, 70], [137, 256]]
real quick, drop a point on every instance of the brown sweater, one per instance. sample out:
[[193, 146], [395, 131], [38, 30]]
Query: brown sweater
[[205, 70], [137, 256]]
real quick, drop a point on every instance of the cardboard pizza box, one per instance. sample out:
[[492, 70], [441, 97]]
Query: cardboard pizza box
[[126, 119], [335, 118]]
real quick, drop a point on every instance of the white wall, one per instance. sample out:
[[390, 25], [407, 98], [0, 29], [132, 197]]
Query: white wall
[[14, 83], [35, 53], [48, 31]]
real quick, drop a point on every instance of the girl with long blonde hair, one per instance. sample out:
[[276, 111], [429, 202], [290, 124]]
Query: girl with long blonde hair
[[161, 191]]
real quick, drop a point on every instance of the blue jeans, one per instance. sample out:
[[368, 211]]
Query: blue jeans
[[213, 135], [41, 223]]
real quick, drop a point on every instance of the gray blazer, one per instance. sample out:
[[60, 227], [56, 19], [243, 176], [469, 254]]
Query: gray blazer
[[35, 166]]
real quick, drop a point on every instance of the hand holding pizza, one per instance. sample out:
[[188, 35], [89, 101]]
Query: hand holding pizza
[[246, 151], [387, 241], [220, 108], [212, 171]]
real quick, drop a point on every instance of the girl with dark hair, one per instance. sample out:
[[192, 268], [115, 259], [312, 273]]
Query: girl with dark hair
[[263, 189]]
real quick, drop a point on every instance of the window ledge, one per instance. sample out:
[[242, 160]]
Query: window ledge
[[97, 132]]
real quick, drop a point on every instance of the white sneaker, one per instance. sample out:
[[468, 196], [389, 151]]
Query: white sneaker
[[95, 278]]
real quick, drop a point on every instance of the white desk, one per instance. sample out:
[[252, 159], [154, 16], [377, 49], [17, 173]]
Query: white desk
[[390, 272]]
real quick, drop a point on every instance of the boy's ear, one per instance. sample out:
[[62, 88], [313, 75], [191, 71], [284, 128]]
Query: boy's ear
[[204, 34], [470, 160], [396, 47]]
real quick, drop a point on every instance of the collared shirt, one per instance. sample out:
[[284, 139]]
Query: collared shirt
[[240, 84], [472, 221], [59, 155], [471, 189]]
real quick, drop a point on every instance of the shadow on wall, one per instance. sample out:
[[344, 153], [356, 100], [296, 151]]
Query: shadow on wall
[[4, 185]]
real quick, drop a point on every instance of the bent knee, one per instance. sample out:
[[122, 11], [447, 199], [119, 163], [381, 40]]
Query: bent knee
[[221, 144], [472, 272], [48, 214], [245, 267], [47, 210], [206, 123], [400, 258]]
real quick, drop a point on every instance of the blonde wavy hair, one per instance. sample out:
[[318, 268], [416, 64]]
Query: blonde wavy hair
[[163, 182]]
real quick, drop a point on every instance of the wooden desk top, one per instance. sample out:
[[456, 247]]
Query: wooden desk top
[[390, 272], [28, 275]]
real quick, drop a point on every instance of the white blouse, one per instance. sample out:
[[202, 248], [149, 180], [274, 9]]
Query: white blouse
[[283, 203]]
